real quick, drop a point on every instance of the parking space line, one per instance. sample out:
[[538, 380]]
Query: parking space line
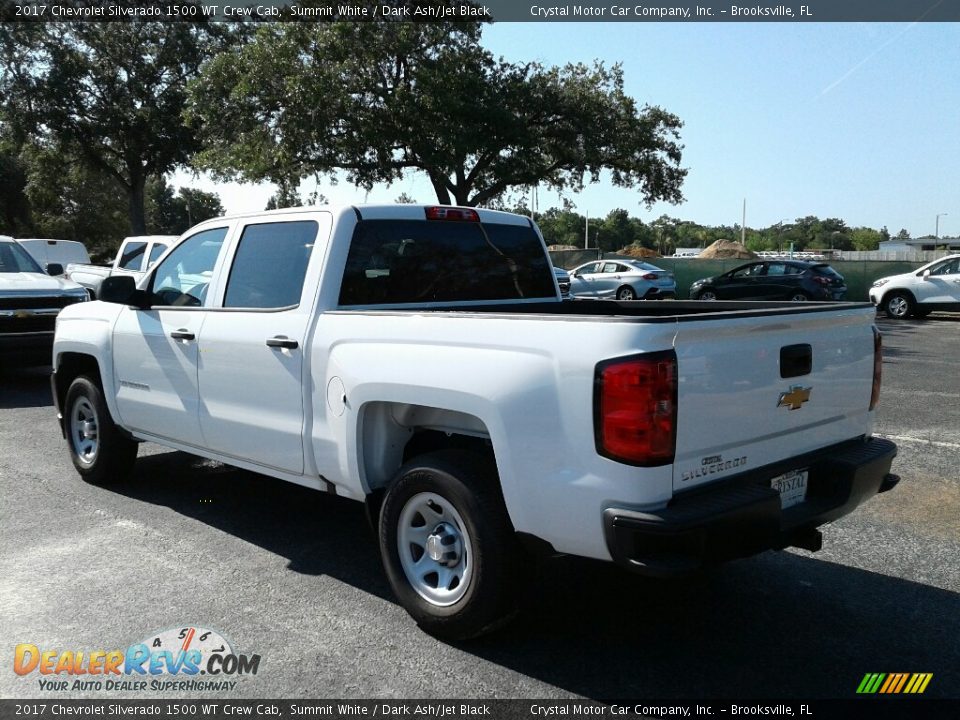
[[921, 441]]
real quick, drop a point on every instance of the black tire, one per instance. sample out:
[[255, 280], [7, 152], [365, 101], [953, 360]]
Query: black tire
[[706, 295], [798, 296], [626, 293], [483, 545], [899, 305], [99, 451]]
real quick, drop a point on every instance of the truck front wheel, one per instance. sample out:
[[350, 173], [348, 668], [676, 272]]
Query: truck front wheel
[[99, 451], [447, 545]]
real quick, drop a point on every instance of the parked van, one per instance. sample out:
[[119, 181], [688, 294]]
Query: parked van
[[59, 252]]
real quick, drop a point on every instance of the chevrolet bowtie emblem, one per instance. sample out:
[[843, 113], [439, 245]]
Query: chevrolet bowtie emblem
[[794, 397]]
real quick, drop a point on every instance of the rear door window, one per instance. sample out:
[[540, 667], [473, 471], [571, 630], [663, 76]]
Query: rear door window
[[270, 265], [132, 257], [414, 261], [155, 252]]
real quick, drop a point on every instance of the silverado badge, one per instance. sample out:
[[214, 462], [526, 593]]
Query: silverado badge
[[794, 397]]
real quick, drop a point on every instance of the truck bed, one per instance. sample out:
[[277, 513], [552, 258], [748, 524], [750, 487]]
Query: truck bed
[[626, 311]]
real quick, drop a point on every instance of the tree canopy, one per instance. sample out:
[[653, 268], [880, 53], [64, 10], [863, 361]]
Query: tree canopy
[[107, 96], [379, 100]]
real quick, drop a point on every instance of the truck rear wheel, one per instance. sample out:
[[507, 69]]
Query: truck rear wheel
[[99, 451], [447, 545]]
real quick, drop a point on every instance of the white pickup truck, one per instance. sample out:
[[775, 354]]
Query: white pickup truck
[[136, 255], [421, 360]]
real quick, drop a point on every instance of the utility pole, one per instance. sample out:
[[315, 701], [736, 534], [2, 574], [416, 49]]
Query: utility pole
[[743, 225], [936, 233]]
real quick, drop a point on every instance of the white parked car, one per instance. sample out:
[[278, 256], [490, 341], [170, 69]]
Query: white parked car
[[623, 280], [935, 286]]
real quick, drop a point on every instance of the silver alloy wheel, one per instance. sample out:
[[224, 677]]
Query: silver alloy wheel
[[798, 297], [898, 306], [626, 293], [435, 550], [707, 295], [84, 431]]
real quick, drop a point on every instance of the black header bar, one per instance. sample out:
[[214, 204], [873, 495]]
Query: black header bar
[[674, 11]]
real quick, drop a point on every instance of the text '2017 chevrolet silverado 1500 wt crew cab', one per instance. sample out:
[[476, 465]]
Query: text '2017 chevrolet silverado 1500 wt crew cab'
[[421, 360]]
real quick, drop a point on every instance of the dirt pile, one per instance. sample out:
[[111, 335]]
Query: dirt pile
[[723, 249]]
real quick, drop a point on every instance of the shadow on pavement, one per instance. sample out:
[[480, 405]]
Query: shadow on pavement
[[780, 625], [25, 387]]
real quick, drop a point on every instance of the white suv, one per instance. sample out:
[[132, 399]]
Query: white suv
[[935, 286]]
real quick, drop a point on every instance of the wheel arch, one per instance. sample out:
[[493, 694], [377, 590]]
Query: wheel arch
[[903, 291], [68, 367], [392, 433]]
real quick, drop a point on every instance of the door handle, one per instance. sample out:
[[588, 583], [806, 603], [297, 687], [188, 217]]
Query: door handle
[[282, 341], [182, 334]]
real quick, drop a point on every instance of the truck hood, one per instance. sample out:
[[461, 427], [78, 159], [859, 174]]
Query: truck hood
[[24, 283]]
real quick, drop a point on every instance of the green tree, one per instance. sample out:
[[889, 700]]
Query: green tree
[[108, 95], [286, 196], [171, 214], [561, 227], [616, 231], [864, 238], [378, 100], [14, 207], [69, 200]]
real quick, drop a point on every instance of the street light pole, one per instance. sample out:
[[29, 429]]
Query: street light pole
[[936, 233], [780, 234]]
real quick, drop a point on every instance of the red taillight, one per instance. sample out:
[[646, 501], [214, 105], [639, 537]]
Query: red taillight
[[650, 276], [877, 368], [636, 409], [451, 213], [821, 280]]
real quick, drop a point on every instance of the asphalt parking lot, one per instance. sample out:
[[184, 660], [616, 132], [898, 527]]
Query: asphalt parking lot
[[294, 576]]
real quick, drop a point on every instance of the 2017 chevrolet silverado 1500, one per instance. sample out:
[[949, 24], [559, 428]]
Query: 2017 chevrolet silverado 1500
[[421, 360]]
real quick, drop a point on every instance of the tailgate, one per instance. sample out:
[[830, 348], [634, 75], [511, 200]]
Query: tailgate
[[760, 388]]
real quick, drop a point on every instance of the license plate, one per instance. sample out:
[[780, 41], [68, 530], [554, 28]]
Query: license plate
[[792, 487]]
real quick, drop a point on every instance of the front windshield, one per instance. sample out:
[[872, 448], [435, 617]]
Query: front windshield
[[14, 259]]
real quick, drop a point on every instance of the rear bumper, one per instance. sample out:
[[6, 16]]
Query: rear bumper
[[742, 516], [660, 294]]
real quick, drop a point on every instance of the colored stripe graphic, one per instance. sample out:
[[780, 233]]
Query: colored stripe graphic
[[894, 683]]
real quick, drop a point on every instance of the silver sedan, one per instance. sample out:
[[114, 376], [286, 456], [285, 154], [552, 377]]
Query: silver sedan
[[622, 280]]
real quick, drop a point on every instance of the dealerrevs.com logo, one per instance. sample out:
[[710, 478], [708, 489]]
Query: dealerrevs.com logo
[[185, 659]]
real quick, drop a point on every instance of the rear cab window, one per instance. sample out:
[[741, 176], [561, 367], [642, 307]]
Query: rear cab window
[[394, 262]]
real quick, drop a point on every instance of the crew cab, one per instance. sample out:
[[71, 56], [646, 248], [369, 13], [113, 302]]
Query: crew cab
[[935, 286], [420, 359], [30, 300], [134, 257]]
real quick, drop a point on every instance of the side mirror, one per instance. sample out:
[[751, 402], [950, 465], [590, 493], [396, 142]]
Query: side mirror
[[122, 290], [54, 269], [926, 274]]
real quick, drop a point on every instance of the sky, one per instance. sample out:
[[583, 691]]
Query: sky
[[859, 121]]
